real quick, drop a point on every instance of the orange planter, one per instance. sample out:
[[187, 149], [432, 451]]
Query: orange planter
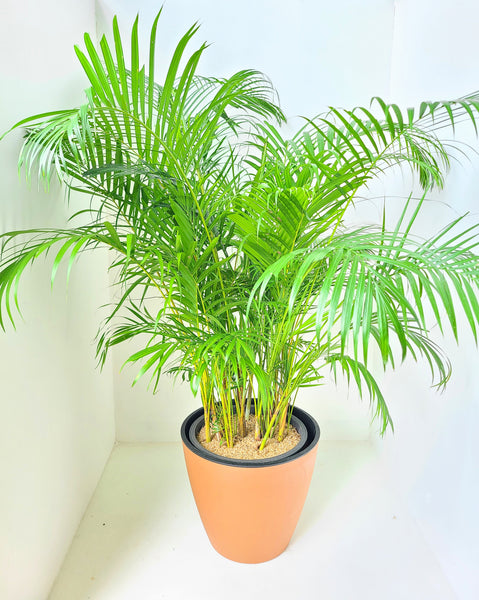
[[250, 508]]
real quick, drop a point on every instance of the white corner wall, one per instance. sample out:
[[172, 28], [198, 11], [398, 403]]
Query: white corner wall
[[56, 410]]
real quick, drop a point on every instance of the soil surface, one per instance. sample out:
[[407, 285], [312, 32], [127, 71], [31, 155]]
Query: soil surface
[[247, 448]]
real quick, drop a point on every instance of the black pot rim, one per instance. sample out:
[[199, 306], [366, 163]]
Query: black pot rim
[[312, 429]]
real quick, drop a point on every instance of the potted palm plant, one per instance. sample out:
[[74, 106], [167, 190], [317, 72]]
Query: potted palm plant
[[236, 268]]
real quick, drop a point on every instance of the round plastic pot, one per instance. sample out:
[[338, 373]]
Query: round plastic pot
[[250, 509]]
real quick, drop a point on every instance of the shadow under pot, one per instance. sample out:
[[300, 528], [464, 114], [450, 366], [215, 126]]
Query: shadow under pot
[[250, 508]]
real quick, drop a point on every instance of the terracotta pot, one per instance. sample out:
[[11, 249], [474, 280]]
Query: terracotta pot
[[250, 508]]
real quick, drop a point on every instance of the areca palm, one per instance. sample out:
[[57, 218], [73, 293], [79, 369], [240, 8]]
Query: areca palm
[[229, 240]]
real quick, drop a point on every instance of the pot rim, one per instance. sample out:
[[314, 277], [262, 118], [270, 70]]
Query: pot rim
[[312, 429]]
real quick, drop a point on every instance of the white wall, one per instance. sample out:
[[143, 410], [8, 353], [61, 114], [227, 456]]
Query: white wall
[[57, 415], [56, 411], [316, 54], [432, 458]]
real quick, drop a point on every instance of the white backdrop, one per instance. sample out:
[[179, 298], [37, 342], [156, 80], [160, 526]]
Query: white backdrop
[[57, 412]]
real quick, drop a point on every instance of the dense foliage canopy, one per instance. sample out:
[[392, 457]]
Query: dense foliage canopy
[[229, 242]]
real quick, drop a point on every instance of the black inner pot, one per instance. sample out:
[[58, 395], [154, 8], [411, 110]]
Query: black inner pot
[[305, 424]]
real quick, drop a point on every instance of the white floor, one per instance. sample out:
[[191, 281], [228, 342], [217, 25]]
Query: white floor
[[141, 538]]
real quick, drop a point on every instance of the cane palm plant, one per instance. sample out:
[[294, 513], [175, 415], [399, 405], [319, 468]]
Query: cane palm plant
[[229, 244]]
